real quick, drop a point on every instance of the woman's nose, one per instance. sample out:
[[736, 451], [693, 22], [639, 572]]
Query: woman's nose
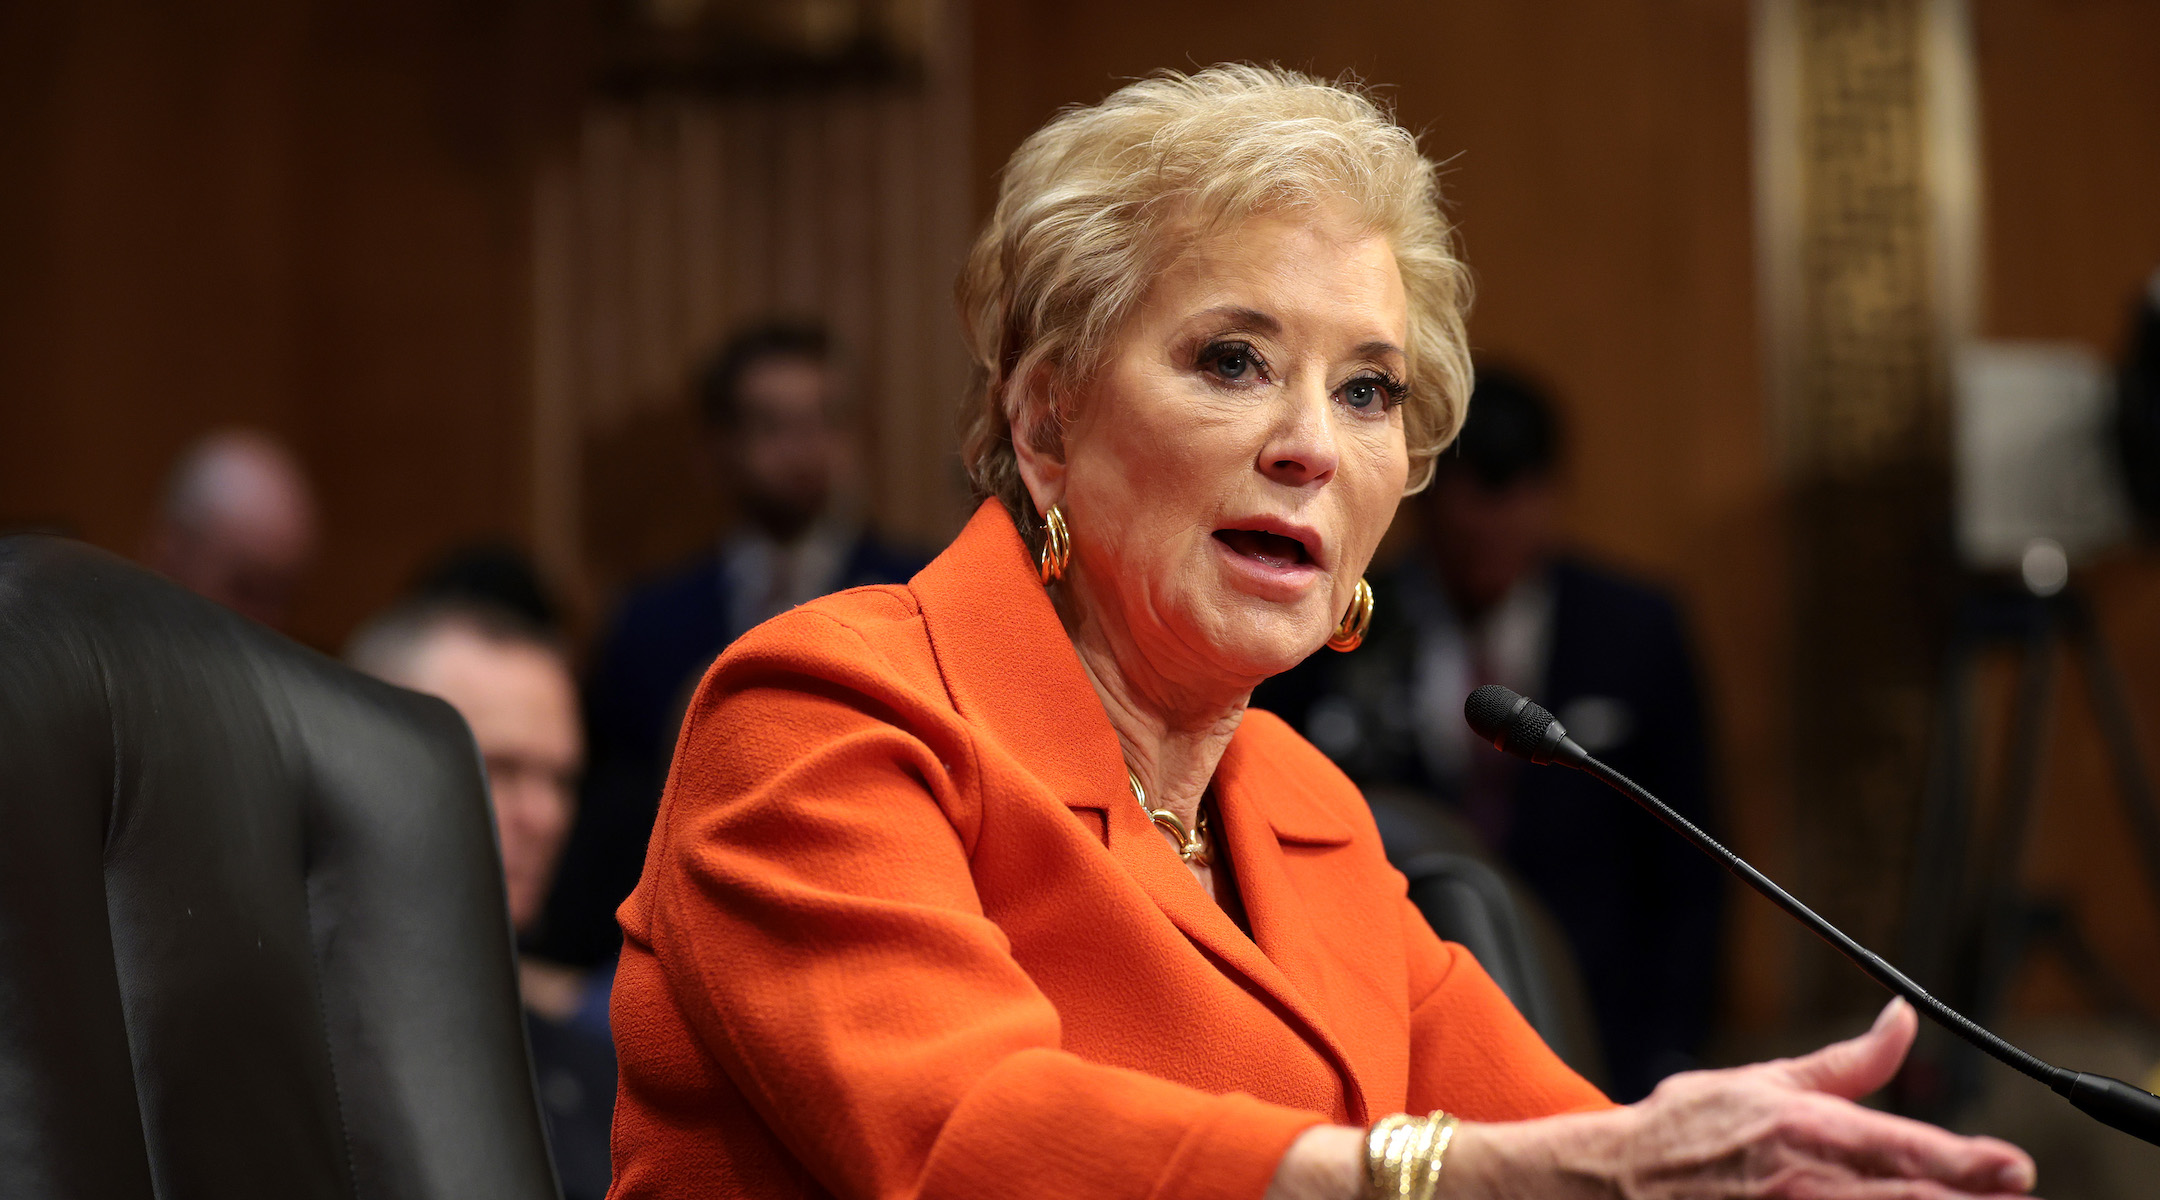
[[1301, 449]]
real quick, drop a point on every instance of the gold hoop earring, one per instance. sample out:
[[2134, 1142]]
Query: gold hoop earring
[[1056, 548], [1350, 634]]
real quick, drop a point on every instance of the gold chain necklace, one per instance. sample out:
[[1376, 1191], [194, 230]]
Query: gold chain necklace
[[1193, 845]]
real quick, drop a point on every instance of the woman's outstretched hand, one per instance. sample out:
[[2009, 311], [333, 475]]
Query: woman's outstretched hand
[[1784, 1130], [1789, 1129]]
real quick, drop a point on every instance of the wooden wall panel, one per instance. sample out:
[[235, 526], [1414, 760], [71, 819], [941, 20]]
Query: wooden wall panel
[[681, 217], [1857, 245], [307, 217]]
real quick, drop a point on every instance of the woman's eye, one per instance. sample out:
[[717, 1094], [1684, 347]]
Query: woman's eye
[[1232, 363], [1372, 391]]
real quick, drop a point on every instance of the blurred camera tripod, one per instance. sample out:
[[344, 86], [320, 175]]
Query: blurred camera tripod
[[1969, 925]]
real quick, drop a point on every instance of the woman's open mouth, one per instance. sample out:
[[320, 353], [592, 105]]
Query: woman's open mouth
[[1269, 549]]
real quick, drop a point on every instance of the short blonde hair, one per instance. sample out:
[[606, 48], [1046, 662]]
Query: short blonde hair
[[1093, 204]]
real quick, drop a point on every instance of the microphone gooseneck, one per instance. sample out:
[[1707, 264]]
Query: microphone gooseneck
[[1516, 725]]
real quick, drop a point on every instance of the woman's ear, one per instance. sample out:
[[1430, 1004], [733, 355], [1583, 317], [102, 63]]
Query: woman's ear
[[1043, 471]]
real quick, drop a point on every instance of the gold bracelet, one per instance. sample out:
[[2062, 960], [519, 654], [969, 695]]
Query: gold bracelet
[[1378, 1178], [1404, 1154], [1443, 1127]]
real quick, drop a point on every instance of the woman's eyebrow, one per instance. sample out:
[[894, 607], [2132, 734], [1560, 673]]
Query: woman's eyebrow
[[1249, 318], [1260, 322]]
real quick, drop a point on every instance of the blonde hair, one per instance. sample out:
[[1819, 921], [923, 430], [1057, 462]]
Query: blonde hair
[[1093, 204]]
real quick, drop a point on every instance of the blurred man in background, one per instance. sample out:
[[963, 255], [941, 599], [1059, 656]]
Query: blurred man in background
[[1487, 596], [236, 524], [774, 408], [508, 678]]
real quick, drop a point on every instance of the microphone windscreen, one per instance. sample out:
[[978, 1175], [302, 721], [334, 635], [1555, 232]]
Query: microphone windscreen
[[1511, 722], [1489, 709]]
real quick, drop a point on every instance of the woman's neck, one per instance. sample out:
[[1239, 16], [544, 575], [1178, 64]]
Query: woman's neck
[[1173, 735]]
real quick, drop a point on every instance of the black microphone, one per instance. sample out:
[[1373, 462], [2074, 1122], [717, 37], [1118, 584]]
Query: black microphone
[[1517, 725]]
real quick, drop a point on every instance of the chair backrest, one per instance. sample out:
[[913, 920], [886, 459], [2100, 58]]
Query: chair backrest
[[1466, 902], [1470, 900], [253, 940]]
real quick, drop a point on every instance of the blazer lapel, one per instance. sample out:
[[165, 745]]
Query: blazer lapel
[[1263, 810], [1010, 667], [1012, 670]]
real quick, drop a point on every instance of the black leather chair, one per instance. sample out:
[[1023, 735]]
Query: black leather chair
[[1470, 900], [253, 940], [1467, 901]]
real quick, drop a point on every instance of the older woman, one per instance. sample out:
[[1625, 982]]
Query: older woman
[[990, 885]]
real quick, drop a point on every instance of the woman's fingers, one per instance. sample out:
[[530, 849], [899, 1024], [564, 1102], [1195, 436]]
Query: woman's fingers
[[1874, 1144], [1878, 1144], [1889, 1189], [1790, 1129], [1852, 1069]]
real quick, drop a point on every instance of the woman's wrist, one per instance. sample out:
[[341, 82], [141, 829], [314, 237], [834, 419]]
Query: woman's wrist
[[1404, 1155], [1569, 1158], [1326, 1162]]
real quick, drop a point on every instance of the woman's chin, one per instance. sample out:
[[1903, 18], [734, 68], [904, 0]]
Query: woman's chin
[[1256, 639]]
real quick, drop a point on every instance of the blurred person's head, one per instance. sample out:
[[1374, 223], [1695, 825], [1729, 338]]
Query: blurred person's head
[[492, 573], [772, 400], [1490, 517], [236, 523], [508, 678]]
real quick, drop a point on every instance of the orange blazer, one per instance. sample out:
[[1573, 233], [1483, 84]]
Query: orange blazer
[[903, 932]]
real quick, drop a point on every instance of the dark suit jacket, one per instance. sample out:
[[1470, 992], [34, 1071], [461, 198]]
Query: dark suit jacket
[[1639, 905], [575, 1070], [664, 635]]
